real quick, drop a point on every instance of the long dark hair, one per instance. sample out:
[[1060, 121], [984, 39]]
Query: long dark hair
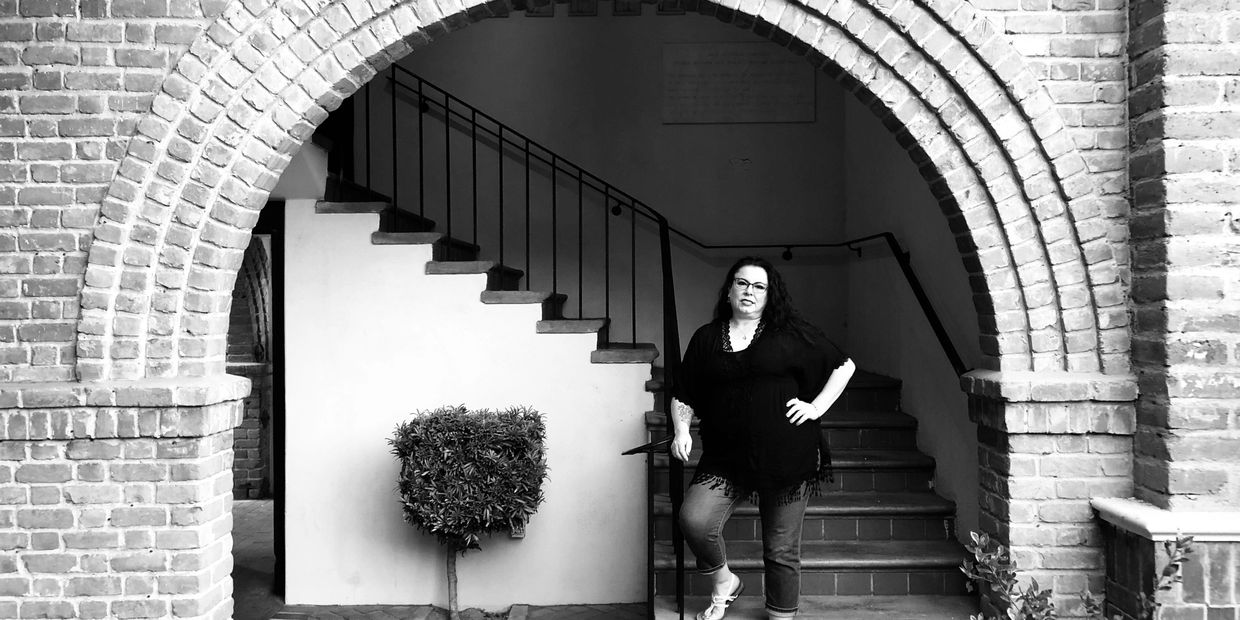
[[779, 313]]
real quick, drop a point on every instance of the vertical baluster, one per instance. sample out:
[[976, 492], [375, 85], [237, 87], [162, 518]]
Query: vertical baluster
[[473, 139], [500, 135], [633, 270], [421, 158], [447, 162], [529, 268], [395, 157], [606, 250], [555, 228], [581, 265], [368, 135]]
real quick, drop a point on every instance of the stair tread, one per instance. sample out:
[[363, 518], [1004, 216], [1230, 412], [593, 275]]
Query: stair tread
[[353, 206], [617, 352], [405, 238], [852, 504], [849, 459], [520, 297], [833, 419], [745, 555], [452, 267], [571, 326], [911, 607]]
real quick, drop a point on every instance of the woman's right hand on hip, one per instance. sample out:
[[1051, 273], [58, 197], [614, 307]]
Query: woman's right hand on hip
[[682, 444]]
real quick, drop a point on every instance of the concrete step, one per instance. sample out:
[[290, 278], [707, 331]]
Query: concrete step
[[445, 248], [552, 303], [863, 568], [351, 206], [854, 471], [912, 607], [391, 219], [625, 353], [499, 277], [577, 326], [874, 430], [845, 504], [843, 516]]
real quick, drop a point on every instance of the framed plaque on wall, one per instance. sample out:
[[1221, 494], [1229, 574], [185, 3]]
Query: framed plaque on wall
[[740, 82]]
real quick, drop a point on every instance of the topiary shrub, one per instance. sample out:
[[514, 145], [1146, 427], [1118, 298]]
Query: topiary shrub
[[467, 473]]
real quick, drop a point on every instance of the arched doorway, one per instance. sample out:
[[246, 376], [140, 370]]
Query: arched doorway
[[982, 129]]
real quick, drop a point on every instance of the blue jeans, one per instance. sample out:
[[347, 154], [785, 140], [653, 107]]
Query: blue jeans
[[706, 509]]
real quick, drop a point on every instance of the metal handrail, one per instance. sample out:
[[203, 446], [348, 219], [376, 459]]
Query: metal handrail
[[482, 128]]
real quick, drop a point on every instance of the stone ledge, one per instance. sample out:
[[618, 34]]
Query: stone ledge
[[1154, 523], [162, 392], [1044, 386]]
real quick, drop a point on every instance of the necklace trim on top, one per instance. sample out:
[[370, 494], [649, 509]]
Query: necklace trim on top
[[727, 335]]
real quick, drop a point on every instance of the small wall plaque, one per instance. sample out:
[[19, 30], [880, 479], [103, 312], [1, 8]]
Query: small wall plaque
[[736, 83], [626, 8]]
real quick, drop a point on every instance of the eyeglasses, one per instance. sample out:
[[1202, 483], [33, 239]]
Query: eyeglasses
[[759, 288]]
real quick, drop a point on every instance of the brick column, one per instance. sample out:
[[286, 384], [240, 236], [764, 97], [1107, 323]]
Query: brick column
[[1184, 58], [116, 499], [1048, 443], [1185, 169]]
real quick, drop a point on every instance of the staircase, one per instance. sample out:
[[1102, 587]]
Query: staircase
[[453, 256], [879, 543]]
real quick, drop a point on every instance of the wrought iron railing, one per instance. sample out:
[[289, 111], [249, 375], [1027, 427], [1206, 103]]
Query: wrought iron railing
[[566, 228]]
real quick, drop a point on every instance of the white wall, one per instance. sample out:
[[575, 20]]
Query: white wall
[[887, 332], [370, 339]]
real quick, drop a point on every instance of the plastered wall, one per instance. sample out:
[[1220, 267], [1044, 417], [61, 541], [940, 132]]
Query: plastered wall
[[417, 342]]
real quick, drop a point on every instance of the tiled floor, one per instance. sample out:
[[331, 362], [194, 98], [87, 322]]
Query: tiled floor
[[254, 560]]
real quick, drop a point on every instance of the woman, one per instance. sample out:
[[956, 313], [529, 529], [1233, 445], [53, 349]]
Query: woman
[[759, 377]]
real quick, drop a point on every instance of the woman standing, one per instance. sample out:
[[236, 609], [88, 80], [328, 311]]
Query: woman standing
[[759, 377]]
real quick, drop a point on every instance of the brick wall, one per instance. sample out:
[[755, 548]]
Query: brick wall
[[1076, 48], [1185, 125], [1210, 586], [75, 79], [122, 510], [1046, 448], [252, 476]]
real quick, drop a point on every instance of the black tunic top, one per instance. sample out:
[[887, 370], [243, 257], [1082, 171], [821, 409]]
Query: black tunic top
[[741, 398]]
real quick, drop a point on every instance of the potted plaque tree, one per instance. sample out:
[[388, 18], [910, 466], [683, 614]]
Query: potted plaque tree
[[467, 473]]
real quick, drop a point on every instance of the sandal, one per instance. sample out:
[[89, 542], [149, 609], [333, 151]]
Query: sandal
[[719, 604]]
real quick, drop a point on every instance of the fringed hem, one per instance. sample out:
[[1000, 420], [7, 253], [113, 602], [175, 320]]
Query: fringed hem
[[784, 496]]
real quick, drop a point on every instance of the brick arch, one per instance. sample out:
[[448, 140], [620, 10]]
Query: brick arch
[[252, 88]]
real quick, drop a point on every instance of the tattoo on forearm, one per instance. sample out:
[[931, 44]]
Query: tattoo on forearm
[[683, 412]]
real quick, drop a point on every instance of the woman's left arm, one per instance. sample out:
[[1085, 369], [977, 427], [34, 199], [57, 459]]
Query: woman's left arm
[[800, 411]]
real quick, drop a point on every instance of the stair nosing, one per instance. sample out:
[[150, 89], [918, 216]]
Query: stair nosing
[[888, 420], [520, 297], [837, 555], [840, 460], [380, 237], [459, 267], [936, 506], [357, 206], [575, 326]]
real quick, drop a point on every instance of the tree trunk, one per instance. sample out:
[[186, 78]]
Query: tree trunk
[[453, 612]]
